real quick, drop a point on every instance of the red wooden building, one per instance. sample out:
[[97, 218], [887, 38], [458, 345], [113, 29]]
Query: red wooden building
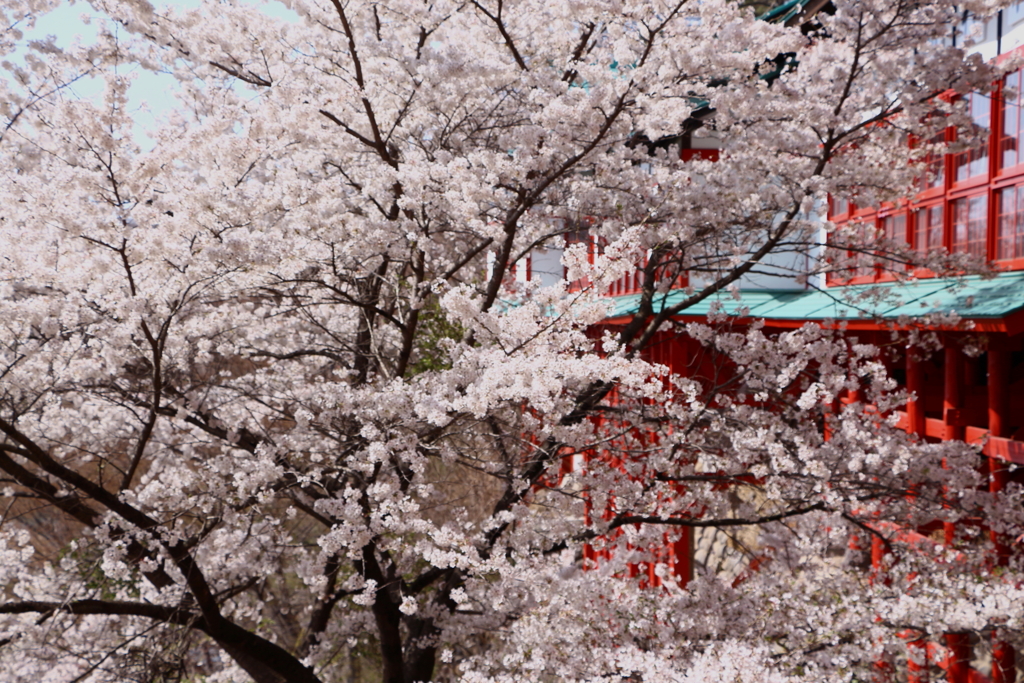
[[969, 202]]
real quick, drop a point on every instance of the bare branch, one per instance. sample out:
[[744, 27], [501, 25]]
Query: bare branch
[[503, 30]]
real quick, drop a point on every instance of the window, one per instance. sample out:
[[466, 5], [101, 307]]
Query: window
[[862, 262], [969, 224], [934, 167], [928, 229], [974, 162], [1010, 224], [1013, 15], [840, 206], [976, 30], [1009, 143], [896, 228]]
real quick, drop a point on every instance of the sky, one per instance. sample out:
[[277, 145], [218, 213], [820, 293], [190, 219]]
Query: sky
[[151, 95]]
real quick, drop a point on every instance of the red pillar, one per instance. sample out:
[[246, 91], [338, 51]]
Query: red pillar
[[1004, 665], [952, 401], [915, 385], [998, 425], [877, 558], [958, 644], [917, 661], [952, 398], [959, 658], [917, 650], [998, 389], [1004, 661], [682, 552]]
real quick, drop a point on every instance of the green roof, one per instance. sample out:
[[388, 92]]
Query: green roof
[[971, 297], [783, 12], [790, 12]]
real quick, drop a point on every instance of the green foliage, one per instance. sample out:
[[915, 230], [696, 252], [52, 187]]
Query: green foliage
[[435, 330], [88, 560]]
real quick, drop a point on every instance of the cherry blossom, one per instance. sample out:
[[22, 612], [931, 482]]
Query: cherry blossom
[[277, 403]]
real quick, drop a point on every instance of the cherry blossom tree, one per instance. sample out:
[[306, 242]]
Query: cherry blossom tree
[[275, 403]]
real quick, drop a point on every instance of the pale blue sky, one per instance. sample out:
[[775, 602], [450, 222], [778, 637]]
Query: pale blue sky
[[151, 94]]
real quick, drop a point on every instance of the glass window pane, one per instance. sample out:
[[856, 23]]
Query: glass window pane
[[935, 227], [934, 166], [1017, 250], [974, 162], [1010, 143], [980, 112], [928, 229], [969, 225], [960, 225], [921, 230], [976, 225], [1005, 224], [1013, 15], [896, 228]]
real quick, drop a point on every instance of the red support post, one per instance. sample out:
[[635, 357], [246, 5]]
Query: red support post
[[952, 402], [952, 398], [958, 644], [998, 425], [877, 556], [998, 389], [917, 650], [915, 385], [917, 661], [1004, 659], [958, 661], [682, 555]]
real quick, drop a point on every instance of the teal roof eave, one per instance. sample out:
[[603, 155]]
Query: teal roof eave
[[971, 297], [783, 12]]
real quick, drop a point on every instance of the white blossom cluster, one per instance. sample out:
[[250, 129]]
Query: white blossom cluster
[[273, 407]]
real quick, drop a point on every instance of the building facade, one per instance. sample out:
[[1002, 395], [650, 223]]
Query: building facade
[[969, 201]]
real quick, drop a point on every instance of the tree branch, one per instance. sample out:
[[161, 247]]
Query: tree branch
[[623, 520], [249, 77], [503, 30], [172, 615]]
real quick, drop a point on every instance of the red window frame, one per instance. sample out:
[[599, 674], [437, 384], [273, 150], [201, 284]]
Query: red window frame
[[894, 225], [971, 166], [1010, 153], [1008, 237], [929, 227], [969, 223]]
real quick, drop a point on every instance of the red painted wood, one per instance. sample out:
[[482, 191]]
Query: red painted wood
[[952, 397], [952, 401], [998, 426], [915, 384], [958, 668], [682, 556], [1004, 668], [998, 390], [917, 661], [1005, 449], [700, 154], [995, 447]]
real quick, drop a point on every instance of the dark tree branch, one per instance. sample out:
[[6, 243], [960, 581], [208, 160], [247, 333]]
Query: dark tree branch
[[499, 22], [345, 127], [581, 48], [171, 615], [249, 77], [623, 520]]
